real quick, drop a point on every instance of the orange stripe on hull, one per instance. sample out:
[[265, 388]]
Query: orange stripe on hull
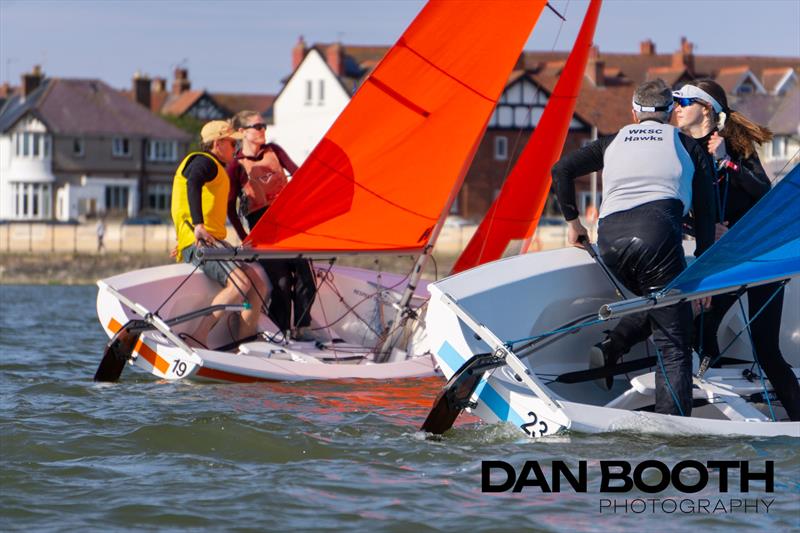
[[151, 357], [222, 375], [114, 326]]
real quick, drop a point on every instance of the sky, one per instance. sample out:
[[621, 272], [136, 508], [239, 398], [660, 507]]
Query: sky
[[245, 45]]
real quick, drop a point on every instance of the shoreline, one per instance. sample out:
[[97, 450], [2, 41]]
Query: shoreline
[[81, 268]]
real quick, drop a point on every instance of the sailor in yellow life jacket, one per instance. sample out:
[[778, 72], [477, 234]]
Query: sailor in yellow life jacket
[[199, 211]]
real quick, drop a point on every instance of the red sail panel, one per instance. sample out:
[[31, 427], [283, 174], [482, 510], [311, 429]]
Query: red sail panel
[[515, 212], [387, 169]]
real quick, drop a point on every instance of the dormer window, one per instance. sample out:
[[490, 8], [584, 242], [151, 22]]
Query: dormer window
[[121, 147]]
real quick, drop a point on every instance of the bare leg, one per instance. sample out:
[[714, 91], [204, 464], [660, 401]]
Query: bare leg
[[229, 295], [256, 296]]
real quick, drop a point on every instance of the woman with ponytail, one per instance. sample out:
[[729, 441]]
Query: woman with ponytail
[[731, 138]]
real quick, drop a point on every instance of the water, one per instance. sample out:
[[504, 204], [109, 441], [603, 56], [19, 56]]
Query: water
[[144, 454]]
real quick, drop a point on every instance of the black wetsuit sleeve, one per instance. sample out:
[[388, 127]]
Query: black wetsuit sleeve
[[751, 177], [198, 171], [573, 165], [284, 159], [235, 171], [703, 206]]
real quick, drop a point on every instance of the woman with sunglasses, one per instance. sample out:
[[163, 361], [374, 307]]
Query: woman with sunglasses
[[258, 175], [730, 138]]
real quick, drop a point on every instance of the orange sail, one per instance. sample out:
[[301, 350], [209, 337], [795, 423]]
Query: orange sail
[[516, 211], [389, 167]]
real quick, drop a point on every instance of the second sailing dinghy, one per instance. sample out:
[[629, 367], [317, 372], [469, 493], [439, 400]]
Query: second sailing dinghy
[[380, 181], [513, 337]]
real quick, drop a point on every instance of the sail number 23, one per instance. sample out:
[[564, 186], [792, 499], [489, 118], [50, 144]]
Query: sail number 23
[[535, 428]]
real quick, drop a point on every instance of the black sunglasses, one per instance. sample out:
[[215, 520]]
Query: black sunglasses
[[258, 127]]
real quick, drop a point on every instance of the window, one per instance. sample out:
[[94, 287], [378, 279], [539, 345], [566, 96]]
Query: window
[[35, 145], [46, 145], [309, 90], [78, 147], [31, 144], [116, 198], [26, 141], [120, 147], [159, 197], [321, 92], [501, 148], [31, 200], [162, 150]]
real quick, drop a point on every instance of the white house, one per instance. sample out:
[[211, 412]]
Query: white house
[[309, 103], [73, 148]]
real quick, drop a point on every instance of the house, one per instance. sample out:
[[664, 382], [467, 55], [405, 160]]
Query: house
[[324, 77], [72, 148], [181, 101]]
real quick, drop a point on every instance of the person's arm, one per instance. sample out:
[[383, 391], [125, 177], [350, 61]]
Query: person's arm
[[198, 171], [578, 163], [704, 207], [284, 159], [235, 171], [583, 161], [751, 176]]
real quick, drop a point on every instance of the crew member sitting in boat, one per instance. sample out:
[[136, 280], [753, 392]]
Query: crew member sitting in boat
[[199, 203], [652, 176], [257, 177]]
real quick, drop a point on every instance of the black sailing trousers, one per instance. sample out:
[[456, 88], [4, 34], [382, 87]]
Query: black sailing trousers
[[292, 283], [765, 331], [643, 248]]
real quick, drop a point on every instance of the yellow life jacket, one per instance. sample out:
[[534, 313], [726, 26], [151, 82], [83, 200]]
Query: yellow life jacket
[[214, 201]]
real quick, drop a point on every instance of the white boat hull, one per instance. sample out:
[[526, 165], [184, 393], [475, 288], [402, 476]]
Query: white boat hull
[[354, 302], [522, 296]]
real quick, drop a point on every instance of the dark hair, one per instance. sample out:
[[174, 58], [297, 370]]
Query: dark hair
[[741, 133]]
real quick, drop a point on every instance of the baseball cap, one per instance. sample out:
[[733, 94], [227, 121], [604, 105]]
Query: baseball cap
[[219, 129]]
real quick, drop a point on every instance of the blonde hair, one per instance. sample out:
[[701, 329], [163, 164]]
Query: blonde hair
[[741, 133], [240, 118]]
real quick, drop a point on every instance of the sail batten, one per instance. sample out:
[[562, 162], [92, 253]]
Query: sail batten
[[515, 212], [383, 175]]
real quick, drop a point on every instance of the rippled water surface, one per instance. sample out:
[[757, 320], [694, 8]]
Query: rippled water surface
[[145, 454]]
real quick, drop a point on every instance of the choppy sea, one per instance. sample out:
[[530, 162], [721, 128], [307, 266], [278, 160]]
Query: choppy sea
[[145, 454]]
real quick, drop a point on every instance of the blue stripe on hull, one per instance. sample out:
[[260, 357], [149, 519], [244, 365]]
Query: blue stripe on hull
[[486, 392]]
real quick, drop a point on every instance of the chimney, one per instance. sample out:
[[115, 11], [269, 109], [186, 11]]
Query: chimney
[[334, 55], [684, 58], [159, 85], [298, 53], [181, 82], [5, 90], [31, 80], [595, 67], [647, 48], [141, 89]]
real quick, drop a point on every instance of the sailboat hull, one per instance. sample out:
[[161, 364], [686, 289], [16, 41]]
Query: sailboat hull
[[520, 297], [355, 303]]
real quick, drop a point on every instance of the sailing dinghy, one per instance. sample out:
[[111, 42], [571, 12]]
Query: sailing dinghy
[[513, 337], [380, 181]]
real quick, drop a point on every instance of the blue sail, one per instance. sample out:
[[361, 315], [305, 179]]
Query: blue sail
[[764, 245]]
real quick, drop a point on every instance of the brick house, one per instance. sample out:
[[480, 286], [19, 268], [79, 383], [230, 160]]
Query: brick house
[[301, 115], [181, 101]]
